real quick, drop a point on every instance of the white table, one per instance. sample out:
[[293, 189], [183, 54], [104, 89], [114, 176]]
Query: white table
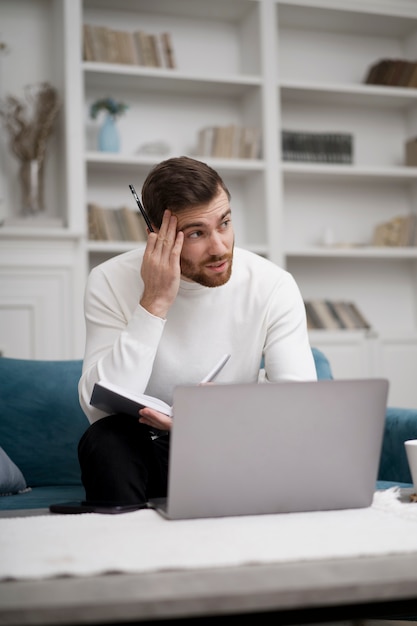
[[294, 592]]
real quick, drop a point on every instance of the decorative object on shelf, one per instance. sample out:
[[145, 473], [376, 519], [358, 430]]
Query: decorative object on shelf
[[400, 231], [4, 48], [411, 152], [30, 124], [154, 148], [108, 138]]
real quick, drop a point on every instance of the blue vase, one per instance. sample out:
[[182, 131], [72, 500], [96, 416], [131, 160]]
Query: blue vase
[[108, 138]]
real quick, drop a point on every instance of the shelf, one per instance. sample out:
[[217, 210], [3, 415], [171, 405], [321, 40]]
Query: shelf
[[108, 161], [359, 252], [8, 233], [137, 78], [332, 171], [114, 247], [348, 94], [357, 18], [229, 10]]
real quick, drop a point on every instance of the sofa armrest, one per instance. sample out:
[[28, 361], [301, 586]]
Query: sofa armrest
[[400, 425]]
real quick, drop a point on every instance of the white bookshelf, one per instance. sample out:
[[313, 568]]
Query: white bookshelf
[[218, 81], [324, 51], [277, 65]]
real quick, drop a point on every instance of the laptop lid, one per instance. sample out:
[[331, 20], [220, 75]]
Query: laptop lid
[[275, 447]]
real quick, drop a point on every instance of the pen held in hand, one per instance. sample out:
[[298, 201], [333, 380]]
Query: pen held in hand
[[141, 209], [216, 369]]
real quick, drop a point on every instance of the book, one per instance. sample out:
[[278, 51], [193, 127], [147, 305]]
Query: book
[[232, 141], [344, 315], [100, 41], [155, 50], [88, 45], [114, 224], [392, 73], [125, 49], [362, 322], [97, 224], [135, 229], [112, 398], [319, 147], [324, 314], [314, 320], [334, 315], [168, 51], [144, 48]]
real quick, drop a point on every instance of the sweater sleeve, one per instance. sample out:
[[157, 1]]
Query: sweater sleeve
[[122, 340], [287, 351]]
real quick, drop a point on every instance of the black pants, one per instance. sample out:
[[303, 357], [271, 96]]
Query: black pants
[[120, 462]]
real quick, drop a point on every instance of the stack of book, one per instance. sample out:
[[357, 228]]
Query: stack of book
[[398, 232], [334, 315], [392, 72], [321, 147], [107, 45], [121, 224], [232, 142]]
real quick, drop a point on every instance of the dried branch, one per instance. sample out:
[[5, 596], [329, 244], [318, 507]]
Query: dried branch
[[30, 123]]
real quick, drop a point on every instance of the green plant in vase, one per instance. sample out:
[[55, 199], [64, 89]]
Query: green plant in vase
[[108, 138]]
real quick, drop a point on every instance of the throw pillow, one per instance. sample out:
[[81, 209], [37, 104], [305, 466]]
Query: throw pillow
[[11, 478]]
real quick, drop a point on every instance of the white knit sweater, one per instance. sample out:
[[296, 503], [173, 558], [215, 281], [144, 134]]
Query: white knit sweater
[[259, 311]]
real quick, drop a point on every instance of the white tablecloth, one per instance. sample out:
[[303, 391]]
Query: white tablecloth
[[89, 544]]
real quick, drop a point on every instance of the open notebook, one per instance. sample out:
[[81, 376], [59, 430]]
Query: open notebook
[[274, 447]]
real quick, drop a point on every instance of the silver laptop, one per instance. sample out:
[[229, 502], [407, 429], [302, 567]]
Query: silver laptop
[[274, 447]]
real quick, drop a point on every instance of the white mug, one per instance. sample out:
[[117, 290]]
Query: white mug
[[411, 450]]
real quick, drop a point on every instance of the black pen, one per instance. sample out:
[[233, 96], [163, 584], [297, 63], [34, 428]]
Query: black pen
[[141, 209]]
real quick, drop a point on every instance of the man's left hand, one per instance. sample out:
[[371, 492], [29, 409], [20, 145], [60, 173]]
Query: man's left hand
[[155, 419]]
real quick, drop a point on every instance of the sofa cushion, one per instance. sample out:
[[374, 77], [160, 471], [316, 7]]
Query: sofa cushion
[[41, 420], [42, 497], [323, 369], [400, 425], [11, 478]]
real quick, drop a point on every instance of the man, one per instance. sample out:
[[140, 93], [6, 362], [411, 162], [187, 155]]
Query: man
[[163, 317]]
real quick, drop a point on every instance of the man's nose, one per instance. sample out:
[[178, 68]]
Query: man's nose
[[217, 244]]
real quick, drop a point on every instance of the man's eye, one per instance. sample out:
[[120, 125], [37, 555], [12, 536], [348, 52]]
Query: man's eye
[[226, 223], [195, 234]]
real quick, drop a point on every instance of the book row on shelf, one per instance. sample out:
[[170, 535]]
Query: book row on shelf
[[398, 232], [107, 45], [393, 72], [320, 147], [232, 141], [114, 224], [334, 315]]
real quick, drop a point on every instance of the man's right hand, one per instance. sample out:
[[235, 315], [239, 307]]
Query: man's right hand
[[161, 271]]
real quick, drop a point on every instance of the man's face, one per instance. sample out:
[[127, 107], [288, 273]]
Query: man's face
[[207, 253]]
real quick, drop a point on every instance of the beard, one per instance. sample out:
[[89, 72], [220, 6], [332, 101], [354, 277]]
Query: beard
[[198, 272]]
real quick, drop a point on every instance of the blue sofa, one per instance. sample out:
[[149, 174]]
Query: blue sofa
[[41, 423]]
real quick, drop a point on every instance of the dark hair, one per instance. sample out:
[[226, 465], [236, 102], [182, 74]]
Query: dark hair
[[179, 183]]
